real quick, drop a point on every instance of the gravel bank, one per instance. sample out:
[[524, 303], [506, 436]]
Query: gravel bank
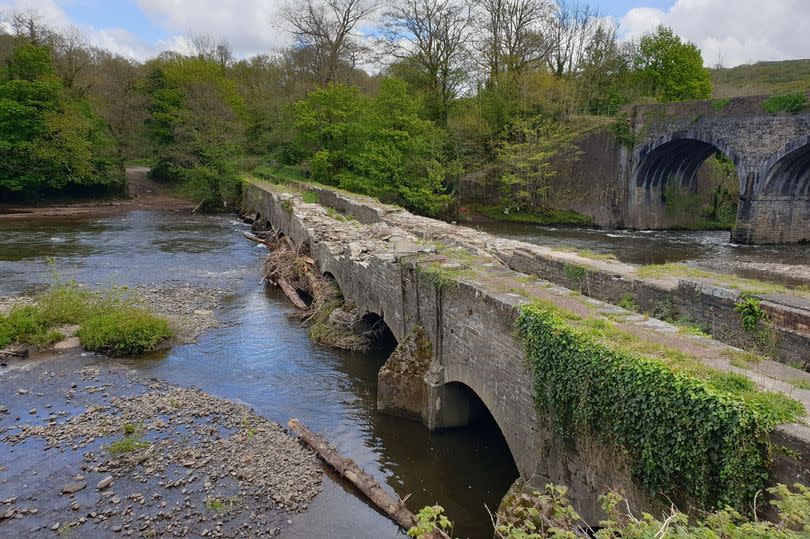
[[94, 450]]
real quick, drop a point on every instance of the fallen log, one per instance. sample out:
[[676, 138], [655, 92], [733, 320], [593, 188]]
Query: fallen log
[[290, 292], [257, 239], [394, 508], [197, 207], [6, 354]]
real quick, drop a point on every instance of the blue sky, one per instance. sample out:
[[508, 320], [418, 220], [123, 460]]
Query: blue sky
[[142, 28], [127, 14]]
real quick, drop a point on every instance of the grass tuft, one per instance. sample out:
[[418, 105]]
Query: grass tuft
[[111, 321]]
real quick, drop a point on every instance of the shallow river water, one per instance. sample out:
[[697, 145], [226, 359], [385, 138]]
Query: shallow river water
[[260, 356], [652, 246]]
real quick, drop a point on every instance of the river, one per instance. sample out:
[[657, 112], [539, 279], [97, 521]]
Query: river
[[653, 246], [262, 357]]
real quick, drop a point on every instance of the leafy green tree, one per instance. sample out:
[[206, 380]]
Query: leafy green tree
[[197, 124], [48, 141], [671, 69], [526, 154], [378, 145]]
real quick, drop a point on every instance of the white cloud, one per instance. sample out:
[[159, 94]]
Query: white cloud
[[250, 26], [732, 32], [48, 10]]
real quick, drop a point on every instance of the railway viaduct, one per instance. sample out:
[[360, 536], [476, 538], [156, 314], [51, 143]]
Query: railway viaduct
[[771, 153]]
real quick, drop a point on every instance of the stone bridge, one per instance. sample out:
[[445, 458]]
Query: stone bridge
[[771, 153], [458, 351]]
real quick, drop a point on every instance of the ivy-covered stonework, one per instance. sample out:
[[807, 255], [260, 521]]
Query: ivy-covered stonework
[[684, 437]]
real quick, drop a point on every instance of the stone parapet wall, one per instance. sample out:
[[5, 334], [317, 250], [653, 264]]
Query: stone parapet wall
[[707, 305]]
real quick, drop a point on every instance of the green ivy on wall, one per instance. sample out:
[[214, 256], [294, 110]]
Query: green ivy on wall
[[683, 435]]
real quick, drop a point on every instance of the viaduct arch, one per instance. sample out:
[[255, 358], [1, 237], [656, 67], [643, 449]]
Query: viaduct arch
[[770, 151]]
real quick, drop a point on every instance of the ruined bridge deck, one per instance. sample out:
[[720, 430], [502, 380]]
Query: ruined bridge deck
[[381, 265]]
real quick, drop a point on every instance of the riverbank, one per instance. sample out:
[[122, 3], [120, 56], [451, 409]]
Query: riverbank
[[119, 453], [143, 193]]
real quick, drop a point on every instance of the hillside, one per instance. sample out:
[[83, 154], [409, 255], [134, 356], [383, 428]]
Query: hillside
[[762, 78]]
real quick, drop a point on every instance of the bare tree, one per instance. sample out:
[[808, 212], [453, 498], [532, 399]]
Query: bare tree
[[433, 35], [26, 24], [207, 47], [324, 28], [571, 29], [116, 97], [512, 33], [74, 58]]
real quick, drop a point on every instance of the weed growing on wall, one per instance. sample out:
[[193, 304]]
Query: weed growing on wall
[[791, 103], [685, 435], [751, 312], [623, 131]]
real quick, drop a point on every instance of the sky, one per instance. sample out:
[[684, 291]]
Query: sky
[[728, 32]]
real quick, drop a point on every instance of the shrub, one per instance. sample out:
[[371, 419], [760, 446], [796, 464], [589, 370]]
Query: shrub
[[26, 324], [623, 131], [550, 515], [791, 103], [751, 312], [122, 332]]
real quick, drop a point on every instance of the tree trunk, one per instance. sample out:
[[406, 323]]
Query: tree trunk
[[395, 508]]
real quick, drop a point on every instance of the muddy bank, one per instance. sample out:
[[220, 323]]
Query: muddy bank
[[143, 193], [94, 449]]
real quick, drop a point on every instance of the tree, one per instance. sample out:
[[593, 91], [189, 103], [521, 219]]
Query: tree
[[376, 145], [511, 34], [670, 69], [48, 141], [324, 29], [197, 123], [604, 75], [571, 29], [431, 35], [116, 96]]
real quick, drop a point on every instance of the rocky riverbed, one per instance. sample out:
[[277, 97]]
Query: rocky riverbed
[[89, 449]]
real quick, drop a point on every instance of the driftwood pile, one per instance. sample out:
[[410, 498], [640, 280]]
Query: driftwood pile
[[291, 269]]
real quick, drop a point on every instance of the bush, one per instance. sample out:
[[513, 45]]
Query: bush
[[110, 321], [123, 332], [550, 515], [26, 324], [791, 103]]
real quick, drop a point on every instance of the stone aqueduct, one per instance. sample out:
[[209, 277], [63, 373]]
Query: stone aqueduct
[[771, 153], [475, 357]]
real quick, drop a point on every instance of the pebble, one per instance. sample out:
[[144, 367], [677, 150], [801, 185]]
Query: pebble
[[72, 488], [104, 483], [3, 409], [32, 411]]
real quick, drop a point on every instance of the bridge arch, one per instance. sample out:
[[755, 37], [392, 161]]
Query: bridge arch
[[464, 400], [787, 172], [778, 208], [676, 157]]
